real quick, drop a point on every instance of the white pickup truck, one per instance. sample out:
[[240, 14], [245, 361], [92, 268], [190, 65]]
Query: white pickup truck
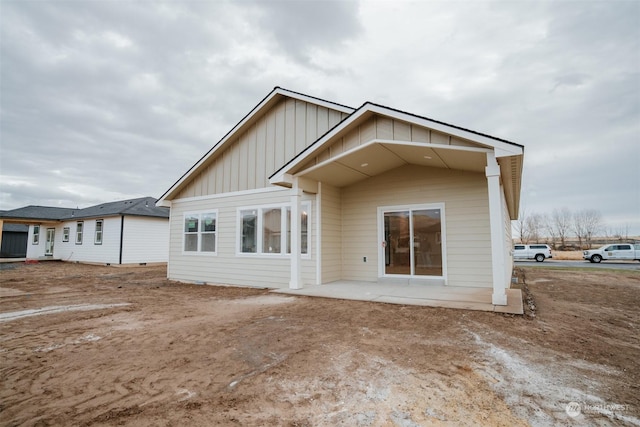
[[618, 251]]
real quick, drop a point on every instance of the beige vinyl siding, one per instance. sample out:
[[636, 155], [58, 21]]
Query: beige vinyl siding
[[331, 233], [275, 138], [467, 233], [378, 127], [229, 267]]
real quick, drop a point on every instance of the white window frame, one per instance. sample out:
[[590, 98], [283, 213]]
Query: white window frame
[[35, 239], [443, 238], [80, 233], [199, 233], [306, 206], [66, 232], [100, 232]]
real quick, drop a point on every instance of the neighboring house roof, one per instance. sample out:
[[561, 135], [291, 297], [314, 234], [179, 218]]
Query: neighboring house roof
[[267, 102], [143, 206], [37, 213], [15, 228]]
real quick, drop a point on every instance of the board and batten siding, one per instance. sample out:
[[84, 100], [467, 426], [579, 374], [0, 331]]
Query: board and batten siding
[[145, 240], [379, 127], [227, 266], [275, 138], [467, 233]]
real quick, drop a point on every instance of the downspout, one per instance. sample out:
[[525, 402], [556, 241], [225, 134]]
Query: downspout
[[121, 237]]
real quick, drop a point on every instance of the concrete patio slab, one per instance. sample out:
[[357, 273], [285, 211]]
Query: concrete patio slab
[[411, 294]]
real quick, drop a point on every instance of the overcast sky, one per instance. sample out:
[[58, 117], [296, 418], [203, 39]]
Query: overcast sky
[[108, 100]]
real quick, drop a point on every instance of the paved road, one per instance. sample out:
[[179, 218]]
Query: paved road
[[622, 265]]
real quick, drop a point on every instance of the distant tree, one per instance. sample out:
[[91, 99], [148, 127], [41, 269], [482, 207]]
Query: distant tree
[[547, 223], [622, 233], [522, 226], [586, 224], [561, 219], [535, 227]]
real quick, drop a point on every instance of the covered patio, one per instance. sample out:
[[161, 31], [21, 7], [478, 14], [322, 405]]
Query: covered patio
[[411, 294]]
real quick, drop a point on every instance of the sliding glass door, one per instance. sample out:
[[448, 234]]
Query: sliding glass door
[[412, 241]]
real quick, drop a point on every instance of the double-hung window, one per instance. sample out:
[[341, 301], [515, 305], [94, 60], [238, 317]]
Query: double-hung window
[[79, 230], [200, 232], [65, 234], [267, 230], [36, 235], [98, 237]]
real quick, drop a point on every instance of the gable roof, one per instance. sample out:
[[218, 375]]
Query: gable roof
[[264, 105], [508, 154], [502, 146], [143, 206]]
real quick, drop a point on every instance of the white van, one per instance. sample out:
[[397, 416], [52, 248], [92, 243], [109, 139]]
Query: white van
[[537, 251]]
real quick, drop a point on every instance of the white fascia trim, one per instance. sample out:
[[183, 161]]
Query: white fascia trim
[[229, 194], [505, 149]]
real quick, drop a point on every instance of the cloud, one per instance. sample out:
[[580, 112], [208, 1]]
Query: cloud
[[102, 100], [299, 27]]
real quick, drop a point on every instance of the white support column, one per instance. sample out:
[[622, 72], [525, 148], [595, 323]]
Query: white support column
[[492, 171], [319, 234], [296, 226]]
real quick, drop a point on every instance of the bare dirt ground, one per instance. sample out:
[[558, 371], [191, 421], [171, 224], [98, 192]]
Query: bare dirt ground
[[104, 346]]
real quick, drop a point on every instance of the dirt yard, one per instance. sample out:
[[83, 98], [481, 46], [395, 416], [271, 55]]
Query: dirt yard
[[105, 346]]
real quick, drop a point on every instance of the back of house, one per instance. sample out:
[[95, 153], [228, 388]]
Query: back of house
[[304, 191]]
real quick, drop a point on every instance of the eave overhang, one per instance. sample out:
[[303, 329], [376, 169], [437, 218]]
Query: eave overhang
[[377, 156]]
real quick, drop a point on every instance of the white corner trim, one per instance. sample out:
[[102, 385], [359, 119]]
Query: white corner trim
[[319, 235]]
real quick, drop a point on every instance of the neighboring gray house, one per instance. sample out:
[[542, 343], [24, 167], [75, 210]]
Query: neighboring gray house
[[304, 191], [133, 231]]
